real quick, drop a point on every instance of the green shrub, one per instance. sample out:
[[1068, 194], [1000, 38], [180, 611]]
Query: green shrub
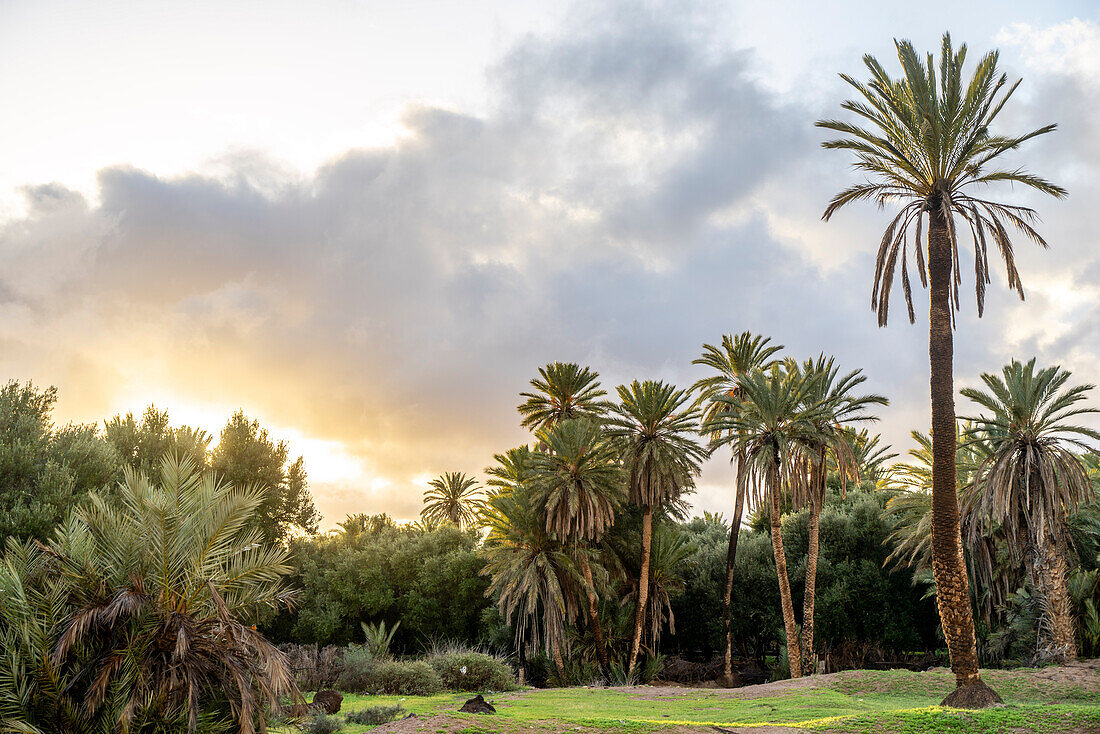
[[472, 671], [374, 715], [321, 724], [362, 673]]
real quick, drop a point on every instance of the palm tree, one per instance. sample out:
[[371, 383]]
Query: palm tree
[[831, 399], [927, 148], [563, 390], [670, 549], [511, 470], [870, 457], [453, 497], [654, 424], [579, 482], [1032, 480], [532, 576], [167, 580], [773, 427], [737, 356]]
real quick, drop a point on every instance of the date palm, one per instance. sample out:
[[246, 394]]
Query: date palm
[[453, 497], [773, 424], [1032, 479], [511, 471], [579, 484], [166, 579], [832, 401], [562, 390], [737, 356], [927, 148], [655, 425], [532, 575]]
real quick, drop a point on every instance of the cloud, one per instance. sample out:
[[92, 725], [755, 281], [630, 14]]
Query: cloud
[[632, 193]]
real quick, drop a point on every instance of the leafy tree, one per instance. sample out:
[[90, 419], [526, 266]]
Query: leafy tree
[[654, 424], [453, 497], [1031, 480], [736, 357], [44, 469], [372, 570], [926, 148], [246, 456], [142, 444]]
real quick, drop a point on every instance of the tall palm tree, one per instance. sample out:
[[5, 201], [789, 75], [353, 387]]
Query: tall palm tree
[[831, 399], [579, 484], [927, 147], [670, 548], [655, 425], [453, 497], [737, 356], [1032, 480], [532, 575], [167, 579], [773, 423], [562, 390]]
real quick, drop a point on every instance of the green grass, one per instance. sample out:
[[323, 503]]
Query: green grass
[[868, 701]]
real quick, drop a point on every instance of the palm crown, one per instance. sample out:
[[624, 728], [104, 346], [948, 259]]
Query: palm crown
[[563, 390], [927, 148], [455, 497]]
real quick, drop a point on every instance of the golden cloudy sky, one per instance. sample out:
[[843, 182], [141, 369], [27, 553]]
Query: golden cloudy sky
[[368, 223]]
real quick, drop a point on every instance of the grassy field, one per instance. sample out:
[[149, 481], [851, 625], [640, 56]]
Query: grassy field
[[857, 701]]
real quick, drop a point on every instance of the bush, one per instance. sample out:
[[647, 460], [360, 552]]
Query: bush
[[472, 671], [362, 673], [374, 715], [321, 724]]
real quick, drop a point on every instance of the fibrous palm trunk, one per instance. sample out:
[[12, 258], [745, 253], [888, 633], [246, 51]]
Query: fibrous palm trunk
[[731, 557], [818, 496], [793, 655], [643, 586], [594, 615], [559, 661], [1049, 570], [948, 563]]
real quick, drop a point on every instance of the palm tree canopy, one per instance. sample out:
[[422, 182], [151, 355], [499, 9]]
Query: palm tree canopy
[[511, 470], [533, 578], [455, 497], [738, 355], [166, 577], [578, 480], [562, 390], [654, 425], [927, 147], [773, 423], [1033, 476]]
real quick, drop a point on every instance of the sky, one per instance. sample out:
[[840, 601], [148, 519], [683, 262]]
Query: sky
[[367, 224]]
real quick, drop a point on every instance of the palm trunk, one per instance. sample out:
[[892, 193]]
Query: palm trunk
[[1058, 629], [555, 651], [594, 616], [643, 586], [793, 655], [731, 557], [808, 666], [948, 563]]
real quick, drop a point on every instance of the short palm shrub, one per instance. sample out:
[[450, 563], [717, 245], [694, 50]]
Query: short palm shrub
[[375, 715], [472, 671]]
